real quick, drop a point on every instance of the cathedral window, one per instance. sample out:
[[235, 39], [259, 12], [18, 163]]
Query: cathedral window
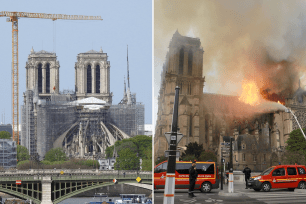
[[39, 70], [189, 88], [48, 78], [98, 79], [243, 157], [264, 157], [243, 146], [181, 61], [89, 79], [190, 57]]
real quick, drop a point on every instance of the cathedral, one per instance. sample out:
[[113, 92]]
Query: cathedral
[[83, 122], [212, 119]]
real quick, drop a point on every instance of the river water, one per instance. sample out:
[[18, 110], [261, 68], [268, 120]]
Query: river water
[[83, 200]]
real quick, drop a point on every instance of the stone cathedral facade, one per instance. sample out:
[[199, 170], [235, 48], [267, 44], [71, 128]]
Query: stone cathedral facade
[[42, 70], [210, 119], [83, 122], [92, 76]]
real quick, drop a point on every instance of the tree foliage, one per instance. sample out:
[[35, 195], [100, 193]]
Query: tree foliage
[[161, 159], [127, 160], [55, 154], [22, 153], [5, 135], [193, 148], [296, 141], [147, 160], [296, 148], [140, 144], [290, 157], [208, 155], [188, 157]]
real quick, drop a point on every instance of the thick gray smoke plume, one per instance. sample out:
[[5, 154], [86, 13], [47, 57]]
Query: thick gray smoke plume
[[255, 40]]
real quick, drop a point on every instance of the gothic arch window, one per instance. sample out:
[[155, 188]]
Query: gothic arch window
[[190, 57], [89, 78], [39, 74], [189, 88], [98, 79], [47, 78], [181, 61]]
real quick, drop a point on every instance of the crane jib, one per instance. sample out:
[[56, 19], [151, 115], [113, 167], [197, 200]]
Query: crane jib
[[48, 16]]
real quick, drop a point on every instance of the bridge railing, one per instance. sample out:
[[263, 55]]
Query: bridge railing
[[69, 174]]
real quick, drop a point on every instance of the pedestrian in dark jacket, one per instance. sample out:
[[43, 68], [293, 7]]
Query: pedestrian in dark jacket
[[247, 174], [193, 174]]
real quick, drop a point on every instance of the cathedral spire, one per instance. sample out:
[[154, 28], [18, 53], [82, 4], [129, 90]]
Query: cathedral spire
[[124, 88], [129, 98], [128, 71]]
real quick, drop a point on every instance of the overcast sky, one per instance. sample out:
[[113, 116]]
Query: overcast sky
[[124, 23]]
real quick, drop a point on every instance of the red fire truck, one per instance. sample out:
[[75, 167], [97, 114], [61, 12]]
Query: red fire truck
[[281, 176], [207, 175]]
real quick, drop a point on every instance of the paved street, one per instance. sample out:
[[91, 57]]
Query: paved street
[[249, 196]]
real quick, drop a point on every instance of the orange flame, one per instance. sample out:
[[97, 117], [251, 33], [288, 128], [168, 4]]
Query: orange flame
[[250, 93]]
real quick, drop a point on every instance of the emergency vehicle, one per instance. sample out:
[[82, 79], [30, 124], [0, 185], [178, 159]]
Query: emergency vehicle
[[207, 175], [281, 176]]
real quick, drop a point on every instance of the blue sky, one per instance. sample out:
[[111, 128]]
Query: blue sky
[[124, 23]]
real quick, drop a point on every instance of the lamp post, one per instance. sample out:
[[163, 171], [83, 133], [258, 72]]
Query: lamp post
[[170, 176], [137, 162]]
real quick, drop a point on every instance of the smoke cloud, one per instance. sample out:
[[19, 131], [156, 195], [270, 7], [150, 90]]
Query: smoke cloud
[[256, 40]]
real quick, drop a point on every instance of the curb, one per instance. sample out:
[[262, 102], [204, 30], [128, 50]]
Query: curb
[[300, 191]]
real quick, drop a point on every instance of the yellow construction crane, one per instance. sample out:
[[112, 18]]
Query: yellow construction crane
[[13, 17]]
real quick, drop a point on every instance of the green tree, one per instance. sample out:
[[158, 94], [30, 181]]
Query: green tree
[[138, 144], [296, 142], [127, 160], [161, 159], [22, 153], [188, 157], [193, 148], [147, 161], [5, 135], [55, 154], [290, 157], [208, 155]]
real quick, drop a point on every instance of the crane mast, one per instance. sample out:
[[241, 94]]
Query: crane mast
[[13, 17]]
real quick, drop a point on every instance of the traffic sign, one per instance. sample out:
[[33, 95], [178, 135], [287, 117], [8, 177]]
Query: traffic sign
[[172, 137], [138, 179], [225, 148], [18, 182], [167, 152]]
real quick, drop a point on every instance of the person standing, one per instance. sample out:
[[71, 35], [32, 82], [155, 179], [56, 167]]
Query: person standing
[[193, 174], [247, 174]]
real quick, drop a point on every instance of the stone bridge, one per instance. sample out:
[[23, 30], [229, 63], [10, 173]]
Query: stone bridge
[[54, 186]]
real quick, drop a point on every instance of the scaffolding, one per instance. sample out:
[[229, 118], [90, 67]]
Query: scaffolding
[[44, 121], [128, 117], [8, 153]]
